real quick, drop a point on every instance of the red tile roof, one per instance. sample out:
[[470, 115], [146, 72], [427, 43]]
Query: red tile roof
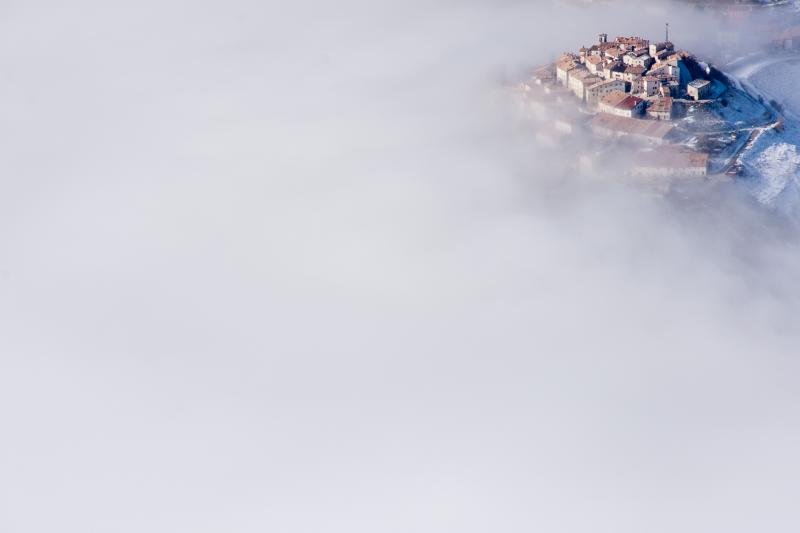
[[629, 103]]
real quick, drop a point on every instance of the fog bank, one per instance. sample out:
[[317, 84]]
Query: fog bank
[[301, 268]]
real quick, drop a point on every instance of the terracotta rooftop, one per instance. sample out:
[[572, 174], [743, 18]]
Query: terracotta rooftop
[[621, 100], [636, 41], [614, 98], [567, 64], [630, 102], [661, 105], [674, 157], [653, 129], [580, 73], [606, 82], [590, 81]]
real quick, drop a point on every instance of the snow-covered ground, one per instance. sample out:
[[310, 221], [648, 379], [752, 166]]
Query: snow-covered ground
[[777, 172], [778, 78], [775, 158]]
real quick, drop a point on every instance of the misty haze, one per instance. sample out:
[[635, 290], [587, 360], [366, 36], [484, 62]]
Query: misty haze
[[383, 266]]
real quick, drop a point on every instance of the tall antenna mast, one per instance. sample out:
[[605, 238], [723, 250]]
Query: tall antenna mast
[[667, 31]]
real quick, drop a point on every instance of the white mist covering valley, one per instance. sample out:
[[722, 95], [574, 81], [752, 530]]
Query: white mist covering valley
[[298, 268]]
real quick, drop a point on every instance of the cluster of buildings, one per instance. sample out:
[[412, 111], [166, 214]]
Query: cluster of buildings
[[648, 74], [627, 88]]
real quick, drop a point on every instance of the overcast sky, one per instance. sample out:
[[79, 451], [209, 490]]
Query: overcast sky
[[272, 267]]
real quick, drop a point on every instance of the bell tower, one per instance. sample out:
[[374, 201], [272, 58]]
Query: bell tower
[[603, 38]]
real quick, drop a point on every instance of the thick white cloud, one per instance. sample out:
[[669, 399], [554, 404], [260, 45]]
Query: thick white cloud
[[296, 268]]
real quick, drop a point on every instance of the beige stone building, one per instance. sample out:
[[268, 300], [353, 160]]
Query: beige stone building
[[579, 80], [699, 89], [664, 46], [565, 65], [651, 85], [660, 108], [595, 64], [622, 104], [598, 91]]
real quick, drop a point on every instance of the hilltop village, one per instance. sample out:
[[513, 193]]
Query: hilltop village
[[629, 77], [653, 110]]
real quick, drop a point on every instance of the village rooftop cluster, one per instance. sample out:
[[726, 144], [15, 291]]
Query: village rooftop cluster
[[632, 88], [629, 77]]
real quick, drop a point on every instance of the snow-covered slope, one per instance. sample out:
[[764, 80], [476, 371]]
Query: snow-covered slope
[[777, 167], [774, 161]]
